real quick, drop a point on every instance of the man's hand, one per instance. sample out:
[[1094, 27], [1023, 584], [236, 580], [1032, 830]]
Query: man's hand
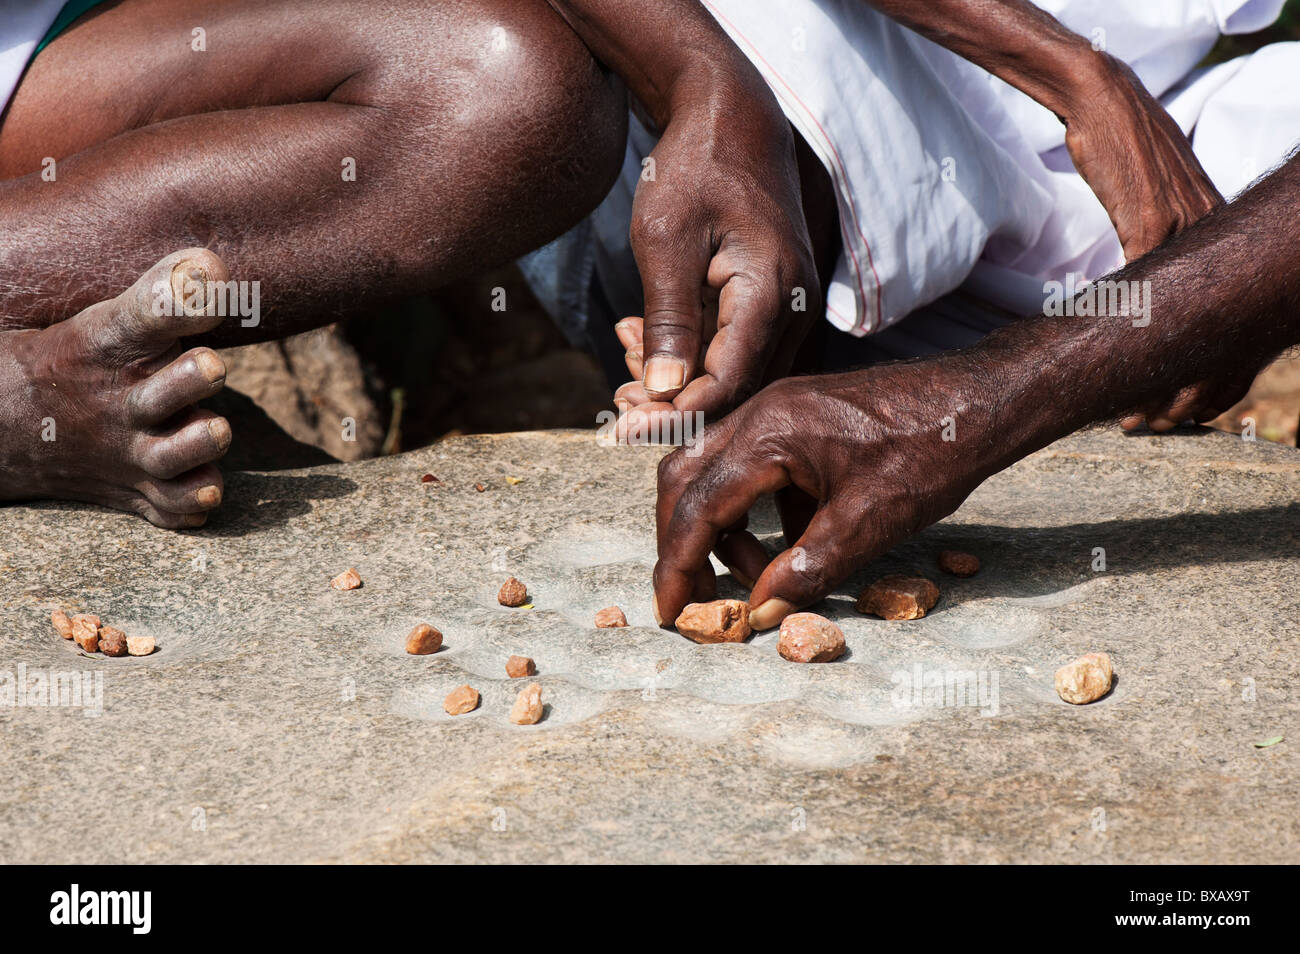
[[1135, 158], [717, 224], [859, 462]]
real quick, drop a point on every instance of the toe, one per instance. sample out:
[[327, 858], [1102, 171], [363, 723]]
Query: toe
[[175, 298], [197, 491], [202, 437], [195, 375]]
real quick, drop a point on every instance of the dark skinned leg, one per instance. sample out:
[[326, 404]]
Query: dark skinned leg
[[478, 130]]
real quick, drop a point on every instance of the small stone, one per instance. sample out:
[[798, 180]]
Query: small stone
[[480, 487], [958, 563], [429, 479], [461, 700], [898, 596], [112, 642], [809, 638], [140, 645], [517, 666], [1086, 679], [62, 624], [423, 640], [610, 617], [85, 632], [349, 579], [512, 593], [721, 621], [527, 709]]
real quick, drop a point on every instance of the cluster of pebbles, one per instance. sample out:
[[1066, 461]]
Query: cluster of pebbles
[[92, 636]]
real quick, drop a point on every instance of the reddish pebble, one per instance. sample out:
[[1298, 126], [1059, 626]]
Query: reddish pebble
[[429, 479], [898, 597], [527, 709], [512, 593], [610, 617], [809, 638], [958, 563], [517, 666], [140, 645], [423, 640], [62, 624], [112, 642], [85, 631], [461, 700], [349, 579], [480, 487], [721, 621]]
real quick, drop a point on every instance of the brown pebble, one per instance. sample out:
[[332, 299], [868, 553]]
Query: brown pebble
[[721, 621], [423, 640], [517, 666], [809, 638], [461, 700], [62, 623], [112, 642], [429, 479], [527, 709], [958, 563], [512, 593], [898, 596], [140, 645], [349, 579], [610, 617], [85, 631], [1086, 679], [480, 487]]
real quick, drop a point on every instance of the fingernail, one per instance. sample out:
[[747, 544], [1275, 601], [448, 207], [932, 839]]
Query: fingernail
[[220, 431], [209, 496], [210, 366], [664, 374], [658, 616], [770, 614], [633, 355]]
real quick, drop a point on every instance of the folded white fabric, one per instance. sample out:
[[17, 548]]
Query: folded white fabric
[[23, 24]]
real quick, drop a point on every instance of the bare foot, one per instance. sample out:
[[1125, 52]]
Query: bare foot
[[100, 407]]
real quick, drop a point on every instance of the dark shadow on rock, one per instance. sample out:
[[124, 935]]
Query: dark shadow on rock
[[259, 501], [259, 443]]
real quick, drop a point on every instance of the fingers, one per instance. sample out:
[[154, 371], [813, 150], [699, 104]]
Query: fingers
[[833, 546], [629, 332], [202, 438], [672, 275], [696, 505], [169, 301], [195, 375], [742, 554]]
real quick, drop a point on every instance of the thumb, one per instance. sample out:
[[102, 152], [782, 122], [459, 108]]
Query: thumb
[[673, 324]]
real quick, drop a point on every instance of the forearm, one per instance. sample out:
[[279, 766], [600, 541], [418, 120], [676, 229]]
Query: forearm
[[1224, 295], [1014, 40], [670, 54]]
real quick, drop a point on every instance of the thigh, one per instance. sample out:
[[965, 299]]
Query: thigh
[[133, 63]]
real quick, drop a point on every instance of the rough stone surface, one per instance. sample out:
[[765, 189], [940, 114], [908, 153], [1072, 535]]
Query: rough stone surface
[[1085, 680], [291, 720], [809, 638], [958, 563], [719, 621], [519, 666], [512, 593], [527, 709], [899, 596], [423, 640], [610, 617]]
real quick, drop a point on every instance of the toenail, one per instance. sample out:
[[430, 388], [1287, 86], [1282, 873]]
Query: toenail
[[189, 287], [210, 366], [219, 430], [209, 496]]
